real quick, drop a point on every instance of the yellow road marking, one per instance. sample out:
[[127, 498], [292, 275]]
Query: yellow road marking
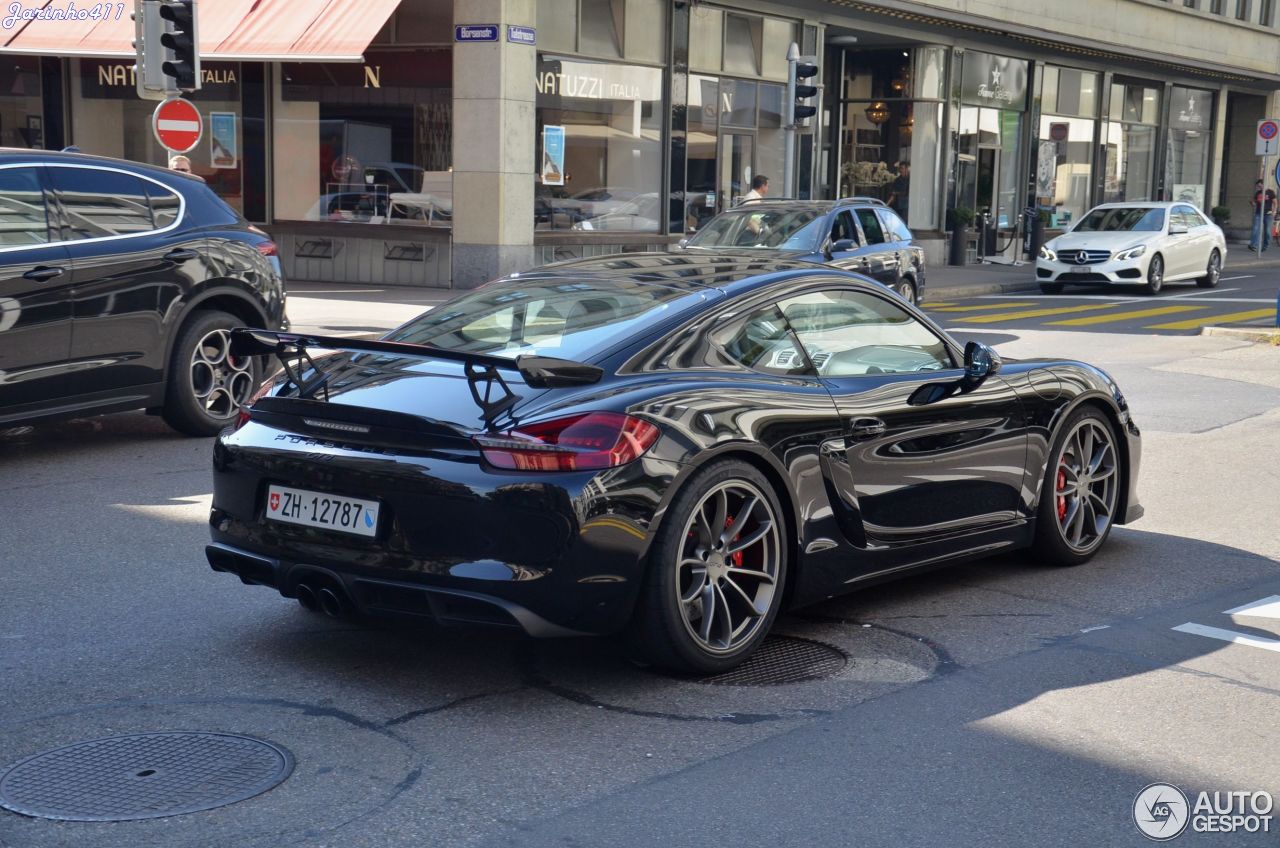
[[1122, 316], [1192, 323], [984, 307], [939, 303], [1031, 313]]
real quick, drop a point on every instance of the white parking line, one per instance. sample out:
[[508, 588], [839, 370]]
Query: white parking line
[[1140, 298], [1201, 293], [1229, 636], [1240, 277]]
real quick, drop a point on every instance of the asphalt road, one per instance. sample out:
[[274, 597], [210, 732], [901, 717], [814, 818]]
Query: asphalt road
[[997, 703], [1245, 296]]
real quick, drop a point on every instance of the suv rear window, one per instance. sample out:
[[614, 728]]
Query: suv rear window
[[100, 203], [553, 318]]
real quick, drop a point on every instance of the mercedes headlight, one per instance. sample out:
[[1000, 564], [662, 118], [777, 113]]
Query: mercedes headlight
[[1046, 253], [1132, 253]]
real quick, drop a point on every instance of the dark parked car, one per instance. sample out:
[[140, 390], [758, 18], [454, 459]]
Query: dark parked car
[[119, 286], [673, 445], [858, 234]]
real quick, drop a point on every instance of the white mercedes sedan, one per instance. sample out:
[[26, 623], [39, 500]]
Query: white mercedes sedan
[[1146, 244]]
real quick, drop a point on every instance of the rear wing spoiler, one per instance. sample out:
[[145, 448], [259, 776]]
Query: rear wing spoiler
[[482, 370]]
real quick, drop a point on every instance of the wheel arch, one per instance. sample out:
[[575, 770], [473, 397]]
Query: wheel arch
[[1107, 406], [223, 296], [773, 471]]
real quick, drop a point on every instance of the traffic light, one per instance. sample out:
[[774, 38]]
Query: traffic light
[[183, 44], [803, 68], [148, 76]]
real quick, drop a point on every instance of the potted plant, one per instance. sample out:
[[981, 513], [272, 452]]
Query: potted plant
[[959, 219], [1221, 215]]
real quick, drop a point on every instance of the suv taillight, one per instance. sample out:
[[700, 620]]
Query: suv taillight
[[267, 248], [584, 442]]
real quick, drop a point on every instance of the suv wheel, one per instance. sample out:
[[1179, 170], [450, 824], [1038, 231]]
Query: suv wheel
[[207, 385], [906, 290]]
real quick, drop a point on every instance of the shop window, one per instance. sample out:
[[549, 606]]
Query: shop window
[[706, 38], [100, 204], [646, 31], [599, 132], [779, 35], [23, 219], [737, 103], [1187, 161], [742, 37], [21, 113], [1129, 143], [367, 143], [1064, 172]]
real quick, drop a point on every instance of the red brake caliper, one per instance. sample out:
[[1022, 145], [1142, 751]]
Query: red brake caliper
[[1062, 499], [736, 559]]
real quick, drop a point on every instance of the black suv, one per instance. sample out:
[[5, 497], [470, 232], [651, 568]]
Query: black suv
[[858, 234], [119, 285]]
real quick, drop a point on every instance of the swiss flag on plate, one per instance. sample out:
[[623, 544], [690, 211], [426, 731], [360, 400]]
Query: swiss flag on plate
[[275, 501]]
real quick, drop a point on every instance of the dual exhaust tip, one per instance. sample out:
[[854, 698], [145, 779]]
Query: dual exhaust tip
[[329, 600]]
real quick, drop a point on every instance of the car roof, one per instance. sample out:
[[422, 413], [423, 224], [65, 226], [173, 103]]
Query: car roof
[[819, 205], [1144, 204], [8, 154], [729, 272]]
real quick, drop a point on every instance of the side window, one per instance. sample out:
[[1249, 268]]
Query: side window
[[762, 342], [24, 220], [870, 225], [843, 228], [893, 225], [1180, 218], [164, 204], [100, 204], [847, 333]]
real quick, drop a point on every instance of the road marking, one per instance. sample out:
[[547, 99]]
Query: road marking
[[1029, 313], [939, 303], [1238, 277], [1121, 316], [981, 307], [1229, 636], [1265, 608], [334, 291], [1193, 323], [1202, 293], [1060, 298]]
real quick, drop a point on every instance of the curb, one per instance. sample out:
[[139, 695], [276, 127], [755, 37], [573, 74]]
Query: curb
[[1253, 334], [977, 290]]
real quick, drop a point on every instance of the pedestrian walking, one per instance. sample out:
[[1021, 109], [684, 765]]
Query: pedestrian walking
[[1259, 198], [1268, 217], [759, 189]]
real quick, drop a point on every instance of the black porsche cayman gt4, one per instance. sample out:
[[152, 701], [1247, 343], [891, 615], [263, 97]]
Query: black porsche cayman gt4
[[675, 447]]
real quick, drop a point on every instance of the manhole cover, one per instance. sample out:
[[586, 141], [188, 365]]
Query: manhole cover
[[783, 659], [147, 776]]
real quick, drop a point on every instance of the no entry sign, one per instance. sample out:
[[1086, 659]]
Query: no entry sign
[[177, 125]]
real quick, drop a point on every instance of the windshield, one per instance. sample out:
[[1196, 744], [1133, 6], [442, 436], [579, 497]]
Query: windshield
[[779, 229], [1120, 219], [553, 318]]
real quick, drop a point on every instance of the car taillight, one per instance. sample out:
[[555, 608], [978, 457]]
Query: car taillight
[[268, 248], [242, 416], [578, 443]]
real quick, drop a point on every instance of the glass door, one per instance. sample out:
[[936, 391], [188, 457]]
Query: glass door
[[737, 167]]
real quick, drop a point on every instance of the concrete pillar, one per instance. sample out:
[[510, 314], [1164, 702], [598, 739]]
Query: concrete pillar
[[493, 144], [1217, 152]]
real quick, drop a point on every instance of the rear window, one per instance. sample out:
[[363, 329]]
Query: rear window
[[561, 319]]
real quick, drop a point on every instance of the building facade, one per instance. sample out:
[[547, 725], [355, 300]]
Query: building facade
[[443, 142]]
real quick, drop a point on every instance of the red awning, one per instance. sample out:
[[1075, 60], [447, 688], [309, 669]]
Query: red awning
[[230, 30]]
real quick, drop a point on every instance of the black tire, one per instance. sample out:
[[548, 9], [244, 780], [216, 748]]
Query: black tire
[[906, 289], [1051, 543], [1212, 271], [1051, 288], [203, 398], [660, 631], [1155, 275]]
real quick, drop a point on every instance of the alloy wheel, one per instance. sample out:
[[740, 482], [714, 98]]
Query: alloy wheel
[[729, 566], [1214, 271], [1155, 274], [220, 381], [1086, 485], [907, 291]]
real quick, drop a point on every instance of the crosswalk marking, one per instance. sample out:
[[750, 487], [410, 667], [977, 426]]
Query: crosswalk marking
[[1121, 316], [1193, 323], [980, 307], [1029, 313], [1229, 636], [935, 305]]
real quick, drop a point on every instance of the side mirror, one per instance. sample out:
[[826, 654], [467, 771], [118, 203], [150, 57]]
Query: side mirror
[[683, 242], [843, 246], [980, 362], [1177, 230]]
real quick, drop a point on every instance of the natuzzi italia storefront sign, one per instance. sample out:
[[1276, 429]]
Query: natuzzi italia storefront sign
[[995, 81]]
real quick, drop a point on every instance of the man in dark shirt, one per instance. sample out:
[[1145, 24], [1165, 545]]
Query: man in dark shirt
[[901, 188], [1258, 199]]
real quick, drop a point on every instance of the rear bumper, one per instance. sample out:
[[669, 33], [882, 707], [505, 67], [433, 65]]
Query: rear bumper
[[552, 554], [374, 596]]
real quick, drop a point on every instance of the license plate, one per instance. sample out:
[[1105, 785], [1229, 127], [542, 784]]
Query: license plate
[[1082, 269], [317, 509]]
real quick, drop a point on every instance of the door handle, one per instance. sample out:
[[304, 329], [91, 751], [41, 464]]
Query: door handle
[[180, 254], [40, 273], [861, 428]]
